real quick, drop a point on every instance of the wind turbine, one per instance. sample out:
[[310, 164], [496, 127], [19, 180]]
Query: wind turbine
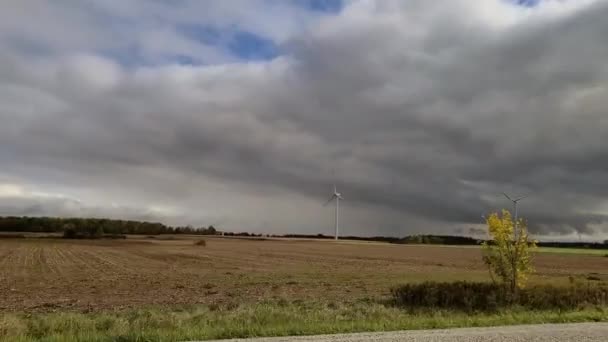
[[335, 196], [515, 201]]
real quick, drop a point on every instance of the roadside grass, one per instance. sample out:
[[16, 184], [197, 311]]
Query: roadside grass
[[278, 318]]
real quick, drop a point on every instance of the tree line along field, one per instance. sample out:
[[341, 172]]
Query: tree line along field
[[42, 275]]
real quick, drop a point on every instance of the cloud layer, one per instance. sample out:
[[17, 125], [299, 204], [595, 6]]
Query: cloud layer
[[422, 112]]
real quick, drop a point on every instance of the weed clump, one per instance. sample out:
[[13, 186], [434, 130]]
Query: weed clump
[[201, 243]]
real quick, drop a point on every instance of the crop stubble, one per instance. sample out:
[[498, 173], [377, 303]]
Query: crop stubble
[[54, 274]]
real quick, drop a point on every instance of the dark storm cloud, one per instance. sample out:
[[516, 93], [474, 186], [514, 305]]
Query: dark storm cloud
[[423, 118]]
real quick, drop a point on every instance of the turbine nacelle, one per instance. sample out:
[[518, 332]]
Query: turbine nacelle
[[335, 196], [336, 193], [514, 200]]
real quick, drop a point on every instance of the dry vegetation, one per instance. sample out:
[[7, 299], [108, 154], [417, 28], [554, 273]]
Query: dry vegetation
[[54, 274]]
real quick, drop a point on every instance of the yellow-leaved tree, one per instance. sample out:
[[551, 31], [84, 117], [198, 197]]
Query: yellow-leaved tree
[[508, 252]]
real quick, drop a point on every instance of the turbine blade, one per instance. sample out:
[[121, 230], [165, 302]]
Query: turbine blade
[[507, 196], [335, 189], [329, 200], [522, 197]]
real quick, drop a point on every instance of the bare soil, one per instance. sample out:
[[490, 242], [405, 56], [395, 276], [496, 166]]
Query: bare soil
[[54, 274]]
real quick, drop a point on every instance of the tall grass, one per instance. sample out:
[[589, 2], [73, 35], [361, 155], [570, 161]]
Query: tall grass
[[264, 319]]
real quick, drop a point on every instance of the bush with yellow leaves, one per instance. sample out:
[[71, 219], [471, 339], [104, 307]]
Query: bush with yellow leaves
[[508, 252]]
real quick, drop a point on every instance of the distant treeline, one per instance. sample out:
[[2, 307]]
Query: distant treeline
[[94, 226], [412, 239], [438, 240]]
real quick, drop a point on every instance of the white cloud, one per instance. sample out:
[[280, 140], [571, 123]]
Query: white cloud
[[11, 190]]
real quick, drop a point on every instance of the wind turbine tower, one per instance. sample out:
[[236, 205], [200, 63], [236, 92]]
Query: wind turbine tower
[[336, 196]]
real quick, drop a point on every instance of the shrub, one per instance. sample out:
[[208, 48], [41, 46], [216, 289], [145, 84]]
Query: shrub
[[201, 242], [508, 255], [469, 296], [460, 295], [568, 297]]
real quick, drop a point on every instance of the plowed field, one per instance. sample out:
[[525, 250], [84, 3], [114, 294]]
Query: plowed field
[[55, 274]]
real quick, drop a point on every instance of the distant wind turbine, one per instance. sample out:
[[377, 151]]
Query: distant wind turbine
[[336, 196], [515, 201]]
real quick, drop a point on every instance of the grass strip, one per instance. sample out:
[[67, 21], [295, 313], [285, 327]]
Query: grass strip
[[263, 319]]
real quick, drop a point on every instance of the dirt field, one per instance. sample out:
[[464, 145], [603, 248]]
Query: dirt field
[[55, 274]]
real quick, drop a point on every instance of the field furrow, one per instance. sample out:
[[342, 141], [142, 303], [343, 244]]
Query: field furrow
[[50, 274]]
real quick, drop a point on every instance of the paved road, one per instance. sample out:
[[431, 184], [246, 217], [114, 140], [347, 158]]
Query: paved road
[[578, 332]]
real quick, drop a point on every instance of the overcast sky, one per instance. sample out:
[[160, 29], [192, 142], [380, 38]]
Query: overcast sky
[[242, 114]]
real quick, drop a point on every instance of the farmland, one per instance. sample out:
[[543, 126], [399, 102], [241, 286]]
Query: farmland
[[600, 252], [49, 275]]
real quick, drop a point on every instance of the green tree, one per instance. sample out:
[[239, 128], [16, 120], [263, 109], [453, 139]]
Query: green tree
[[508, 253]]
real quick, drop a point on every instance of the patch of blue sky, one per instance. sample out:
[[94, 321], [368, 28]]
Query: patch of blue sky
[[204, 34], [185, 60], [527, 3], [249, 46], [127, 56], [241, 44], [325, 6]]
